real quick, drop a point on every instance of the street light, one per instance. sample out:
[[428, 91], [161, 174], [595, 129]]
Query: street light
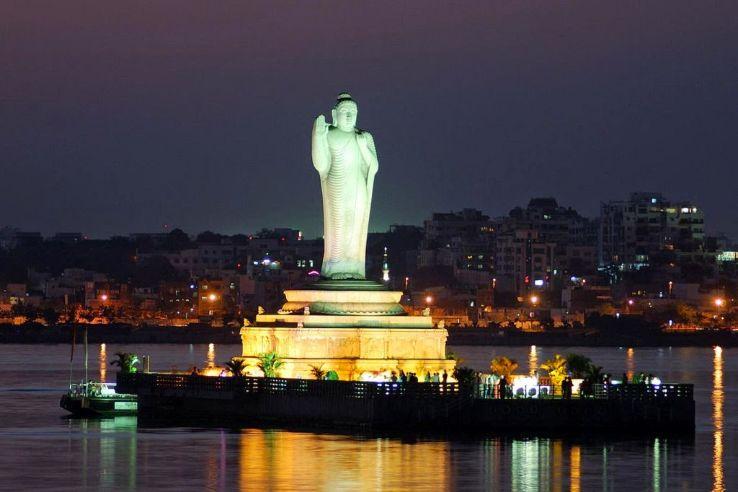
[[534, 300], [428, 299], [719, 303], [212, 297]]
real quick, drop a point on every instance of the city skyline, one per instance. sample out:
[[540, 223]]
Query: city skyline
[[118, 119], [166, 228]]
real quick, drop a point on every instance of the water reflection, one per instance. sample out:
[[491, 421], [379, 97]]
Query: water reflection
[[299, 461], [294, 460], [211, 355], [103, 359], [111, 462], [718, 397], [630, 363], [525, 464], [533, 360]]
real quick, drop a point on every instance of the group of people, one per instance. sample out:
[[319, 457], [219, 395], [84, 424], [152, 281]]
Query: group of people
[[639, 378], [411, 377], [493, 386]]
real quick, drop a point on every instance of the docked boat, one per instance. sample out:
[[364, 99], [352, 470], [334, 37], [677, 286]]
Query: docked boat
[[98, 400], [95, 399]]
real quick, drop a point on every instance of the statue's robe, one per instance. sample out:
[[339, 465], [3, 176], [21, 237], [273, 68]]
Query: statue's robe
[[346, 203]]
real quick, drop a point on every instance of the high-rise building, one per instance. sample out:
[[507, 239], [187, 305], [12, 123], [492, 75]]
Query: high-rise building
[[468, 224], [524, 261], [633, 230]]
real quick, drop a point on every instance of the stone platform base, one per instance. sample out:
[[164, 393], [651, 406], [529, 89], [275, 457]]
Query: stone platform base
[[352, 352], [354, 369], [354, 327]]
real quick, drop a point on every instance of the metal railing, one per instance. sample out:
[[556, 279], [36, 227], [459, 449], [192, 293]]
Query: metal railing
[[598, 391], [646, 391], [195, 384], [163, 382]]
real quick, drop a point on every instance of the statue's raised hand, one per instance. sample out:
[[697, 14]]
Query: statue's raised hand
[[320, 127]]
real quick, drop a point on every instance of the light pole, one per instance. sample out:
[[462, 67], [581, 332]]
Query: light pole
[[719, 302]]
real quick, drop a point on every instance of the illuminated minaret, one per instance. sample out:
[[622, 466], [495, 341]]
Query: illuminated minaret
[[385, 267]]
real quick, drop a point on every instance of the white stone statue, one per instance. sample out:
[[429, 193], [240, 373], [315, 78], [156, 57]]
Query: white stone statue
[[346, 159]]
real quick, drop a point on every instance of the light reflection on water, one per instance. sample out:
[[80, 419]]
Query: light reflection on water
[[718, 397], [210, 361], [103, 359], [630, 363], [120, 454], [532, 361]]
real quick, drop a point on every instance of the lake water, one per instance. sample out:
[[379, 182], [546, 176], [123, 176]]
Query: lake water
[[41, 448]]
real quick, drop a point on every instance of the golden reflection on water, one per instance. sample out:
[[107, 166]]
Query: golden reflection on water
[[718, 397], [103, 357], [557, 466], [283, 460], [630, 363], [576, 469], [533, 360], [211, 355]]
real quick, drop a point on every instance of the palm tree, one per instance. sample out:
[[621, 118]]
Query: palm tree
[[556, 369], [466, 376], [594, 374], [578, 364], [270, 363], [503, 366], [236, 366], [126, 361], [317, 371], [453, 356]]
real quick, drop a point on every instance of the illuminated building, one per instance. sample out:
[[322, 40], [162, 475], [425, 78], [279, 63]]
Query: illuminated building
[[631, 231], [524, 262]]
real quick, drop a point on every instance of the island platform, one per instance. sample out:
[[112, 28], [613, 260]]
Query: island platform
[[244, 401]]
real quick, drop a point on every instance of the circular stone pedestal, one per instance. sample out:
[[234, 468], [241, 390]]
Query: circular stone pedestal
[[345, 297]]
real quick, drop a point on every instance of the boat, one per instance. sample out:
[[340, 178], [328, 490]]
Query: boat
[[94, 399]]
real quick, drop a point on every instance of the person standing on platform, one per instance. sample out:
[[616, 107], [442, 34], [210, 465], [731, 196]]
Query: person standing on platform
[[503, 387]]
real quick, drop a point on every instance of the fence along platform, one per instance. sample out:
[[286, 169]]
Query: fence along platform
[[439, 406]]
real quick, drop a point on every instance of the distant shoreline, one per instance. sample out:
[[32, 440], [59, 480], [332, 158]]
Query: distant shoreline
[[117, 333], [485, 337], [128, 334]]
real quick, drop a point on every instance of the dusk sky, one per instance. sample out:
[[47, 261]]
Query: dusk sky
[[119, 117]]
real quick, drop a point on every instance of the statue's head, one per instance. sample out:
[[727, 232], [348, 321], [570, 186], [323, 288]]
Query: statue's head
[[345, 113]]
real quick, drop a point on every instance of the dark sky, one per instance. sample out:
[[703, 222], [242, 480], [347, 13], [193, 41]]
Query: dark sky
[[118, 117]]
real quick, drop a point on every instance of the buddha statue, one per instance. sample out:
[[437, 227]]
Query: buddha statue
[[346, 160]]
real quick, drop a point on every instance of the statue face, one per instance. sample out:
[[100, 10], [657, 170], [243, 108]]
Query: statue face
[[344, 116]]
